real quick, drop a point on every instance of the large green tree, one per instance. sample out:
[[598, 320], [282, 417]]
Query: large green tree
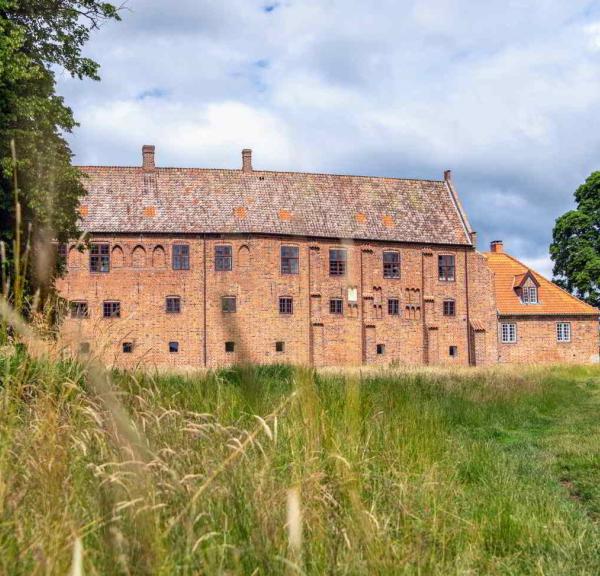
[[575, 246], [38, 37]]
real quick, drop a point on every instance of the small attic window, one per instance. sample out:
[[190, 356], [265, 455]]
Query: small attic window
[[529, 295]]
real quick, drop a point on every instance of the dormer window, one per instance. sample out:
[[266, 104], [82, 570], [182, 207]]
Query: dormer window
[[529, 295], [526, 286]]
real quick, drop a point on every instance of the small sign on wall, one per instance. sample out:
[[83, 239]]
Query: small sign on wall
[[352, 295]]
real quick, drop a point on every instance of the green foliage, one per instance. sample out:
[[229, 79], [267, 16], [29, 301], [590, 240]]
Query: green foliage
[[575, 246], [36, 37], [421, 472]]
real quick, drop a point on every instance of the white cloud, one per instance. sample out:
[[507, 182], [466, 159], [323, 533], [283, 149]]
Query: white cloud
[[592, 31]]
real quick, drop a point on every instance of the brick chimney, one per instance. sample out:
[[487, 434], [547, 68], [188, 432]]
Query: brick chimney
[[448, 175], [148, 157], [497, 246], [246, 160]]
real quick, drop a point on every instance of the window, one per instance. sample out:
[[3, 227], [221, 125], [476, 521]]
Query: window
[[380, 349], [111, 309], [289, 259], [99, 258], [286, 305], [336, 306], [453, 351], [563, 331], [84, 347], [181, 257], [529, 295], [173, 347], [127, 347], [449, 308], [228, 304], [391, 265], [223, 258], [61, 251], [337, 262], [393, 306], [446, 268], [509, 333], [229, 347], [79, 309], [279, 346], [173, 305]]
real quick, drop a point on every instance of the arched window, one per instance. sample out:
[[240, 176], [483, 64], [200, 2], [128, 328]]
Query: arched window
[[244, 256], [116, 257], [159, 259], [138, 257], [75, 258]]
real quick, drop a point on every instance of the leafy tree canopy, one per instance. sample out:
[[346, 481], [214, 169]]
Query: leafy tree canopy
[[36, 38], [575, 246]]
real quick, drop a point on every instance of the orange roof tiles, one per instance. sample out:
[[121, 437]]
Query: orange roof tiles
[[552, 299], [240, 212]]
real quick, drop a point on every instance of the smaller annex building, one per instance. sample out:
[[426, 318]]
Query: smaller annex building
[[537, 320]]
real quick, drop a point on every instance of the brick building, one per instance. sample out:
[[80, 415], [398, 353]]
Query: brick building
[[537, 320], [205, 267]]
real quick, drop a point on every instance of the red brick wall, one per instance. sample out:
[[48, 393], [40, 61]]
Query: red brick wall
[[537, 343], [311, 333], [482, 306]]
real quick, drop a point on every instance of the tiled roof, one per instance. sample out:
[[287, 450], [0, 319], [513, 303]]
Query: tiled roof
[[193, 200], [552, 299]]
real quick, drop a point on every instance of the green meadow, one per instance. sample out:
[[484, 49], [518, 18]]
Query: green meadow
[[281, 470]]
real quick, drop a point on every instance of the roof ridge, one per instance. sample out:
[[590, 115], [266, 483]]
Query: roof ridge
[[542, 277], [200, 169]]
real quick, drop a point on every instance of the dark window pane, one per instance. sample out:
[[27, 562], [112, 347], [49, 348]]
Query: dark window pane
[[336, 306], [127, 347], [79, 310], [391, 265], [286, 305], [279, 346], [99, 258], [228, 304], [337, 262], [289, 259], [446, 268], [453, 351], [229, 346], [181, 257], [393, 307], [173, 305], [111, 310], [173, 347], [449, 308], [380, 349], [223, 258]]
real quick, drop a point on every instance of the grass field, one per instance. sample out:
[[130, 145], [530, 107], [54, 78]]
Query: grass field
[[281, 471]]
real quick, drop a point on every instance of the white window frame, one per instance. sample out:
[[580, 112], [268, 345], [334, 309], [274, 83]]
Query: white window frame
[[563, 331], [529, 295], [508, 336]]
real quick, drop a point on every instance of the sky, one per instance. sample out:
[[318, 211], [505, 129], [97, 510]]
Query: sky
[[505, 93]]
